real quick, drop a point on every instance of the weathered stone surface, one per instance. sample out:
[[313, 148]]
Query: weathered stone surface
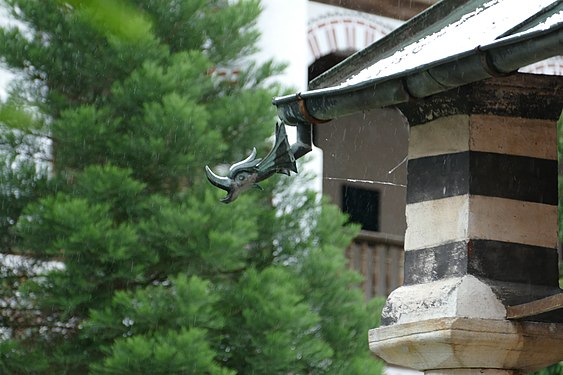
[[469, 343], [487, 155], [519, 95], [482, 173], [494, 260], [481, 231], [514, 136], [464, 296], [463, 217], [484, 133], [445, 135], [469, 371]]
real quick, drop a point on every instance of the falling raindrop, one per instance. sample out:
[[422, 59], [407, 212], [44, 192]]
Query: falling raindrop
[[398, 165]]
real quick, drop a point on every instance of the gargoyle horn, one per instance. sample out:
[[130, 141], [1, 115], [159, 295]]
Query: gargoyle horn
[[221, 182]]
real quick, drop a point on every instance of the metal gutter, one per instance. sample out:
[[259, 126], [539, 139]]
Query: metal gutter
[[499, 58], [421, 25]]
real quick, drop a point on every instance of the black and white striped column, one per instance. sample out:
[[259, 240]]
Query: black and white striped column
[[482, 200], [481, 218], [481, 231]]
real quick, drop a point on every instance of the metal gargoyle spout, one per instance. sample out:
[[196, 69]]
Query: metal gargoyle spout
[[248, 173]]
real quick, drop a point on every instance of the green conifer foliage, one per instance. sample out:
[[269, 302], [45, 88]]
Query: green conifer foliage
[[118, 257]]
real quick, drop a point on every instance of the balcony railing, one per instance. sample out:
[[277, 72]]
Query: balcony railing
[[379, 258]]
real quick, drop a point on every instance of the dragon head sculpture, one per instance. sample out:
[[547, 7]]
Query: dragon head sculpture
[[248, 173]]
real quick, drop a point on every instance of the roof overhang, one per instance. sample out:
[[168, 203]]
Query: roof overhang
[[417, 61]]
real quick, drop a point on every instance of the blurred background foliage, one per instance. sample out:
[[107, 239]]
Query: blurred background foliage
[[118, 257]]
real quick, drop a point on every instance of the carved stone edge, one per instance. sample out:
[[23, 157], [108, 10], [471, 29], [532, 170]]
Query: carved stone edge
[[457, 343], [465, 296]]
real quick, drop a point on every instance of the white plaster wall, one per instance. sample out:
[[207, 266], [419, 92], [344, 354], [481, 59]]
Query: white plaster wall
[[283, 24]]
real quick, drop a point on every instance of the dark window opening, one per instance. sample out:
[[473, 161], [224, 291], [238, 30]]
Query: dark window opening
[[321, 65], [324, 63], [362, 206]]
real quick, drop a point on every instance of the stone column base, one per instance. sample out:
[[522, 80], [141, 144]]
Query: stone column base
[[470, 371], [467, 346]]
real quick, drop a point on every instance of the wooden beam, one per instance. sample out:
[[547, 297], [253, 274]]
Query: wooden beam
[[398, 9], [536, 307]]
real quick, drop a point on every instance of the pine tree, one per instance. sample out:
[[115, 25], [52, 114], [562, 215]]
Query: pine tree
[[118, 258]]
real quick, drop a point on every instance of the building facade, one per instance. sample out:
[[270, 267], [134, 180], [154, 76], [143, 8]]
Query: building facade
[[360, 160]]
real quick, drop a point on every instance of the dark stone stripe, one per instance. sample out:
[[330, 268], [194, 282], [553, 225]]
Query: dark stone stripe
[[495, 260], [514, 177], [511, 262], [521, 95], [436, 263], [436, 177], [482, 173]]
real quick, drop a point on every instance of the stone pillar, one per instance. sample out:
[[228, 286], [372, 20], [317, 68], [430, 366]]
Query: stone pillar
[[481, 231]]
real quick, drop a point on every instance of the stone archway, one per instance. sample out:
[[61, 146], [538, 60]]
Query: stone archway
[[342, 33]]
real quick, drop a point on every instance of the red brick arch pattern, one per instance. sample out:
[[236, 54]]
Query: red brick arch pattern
[[553, 66], [342, 33]]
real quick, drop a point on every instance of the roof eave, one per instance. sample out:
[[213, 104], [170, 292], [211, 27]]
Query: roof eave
[[495, 59]]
